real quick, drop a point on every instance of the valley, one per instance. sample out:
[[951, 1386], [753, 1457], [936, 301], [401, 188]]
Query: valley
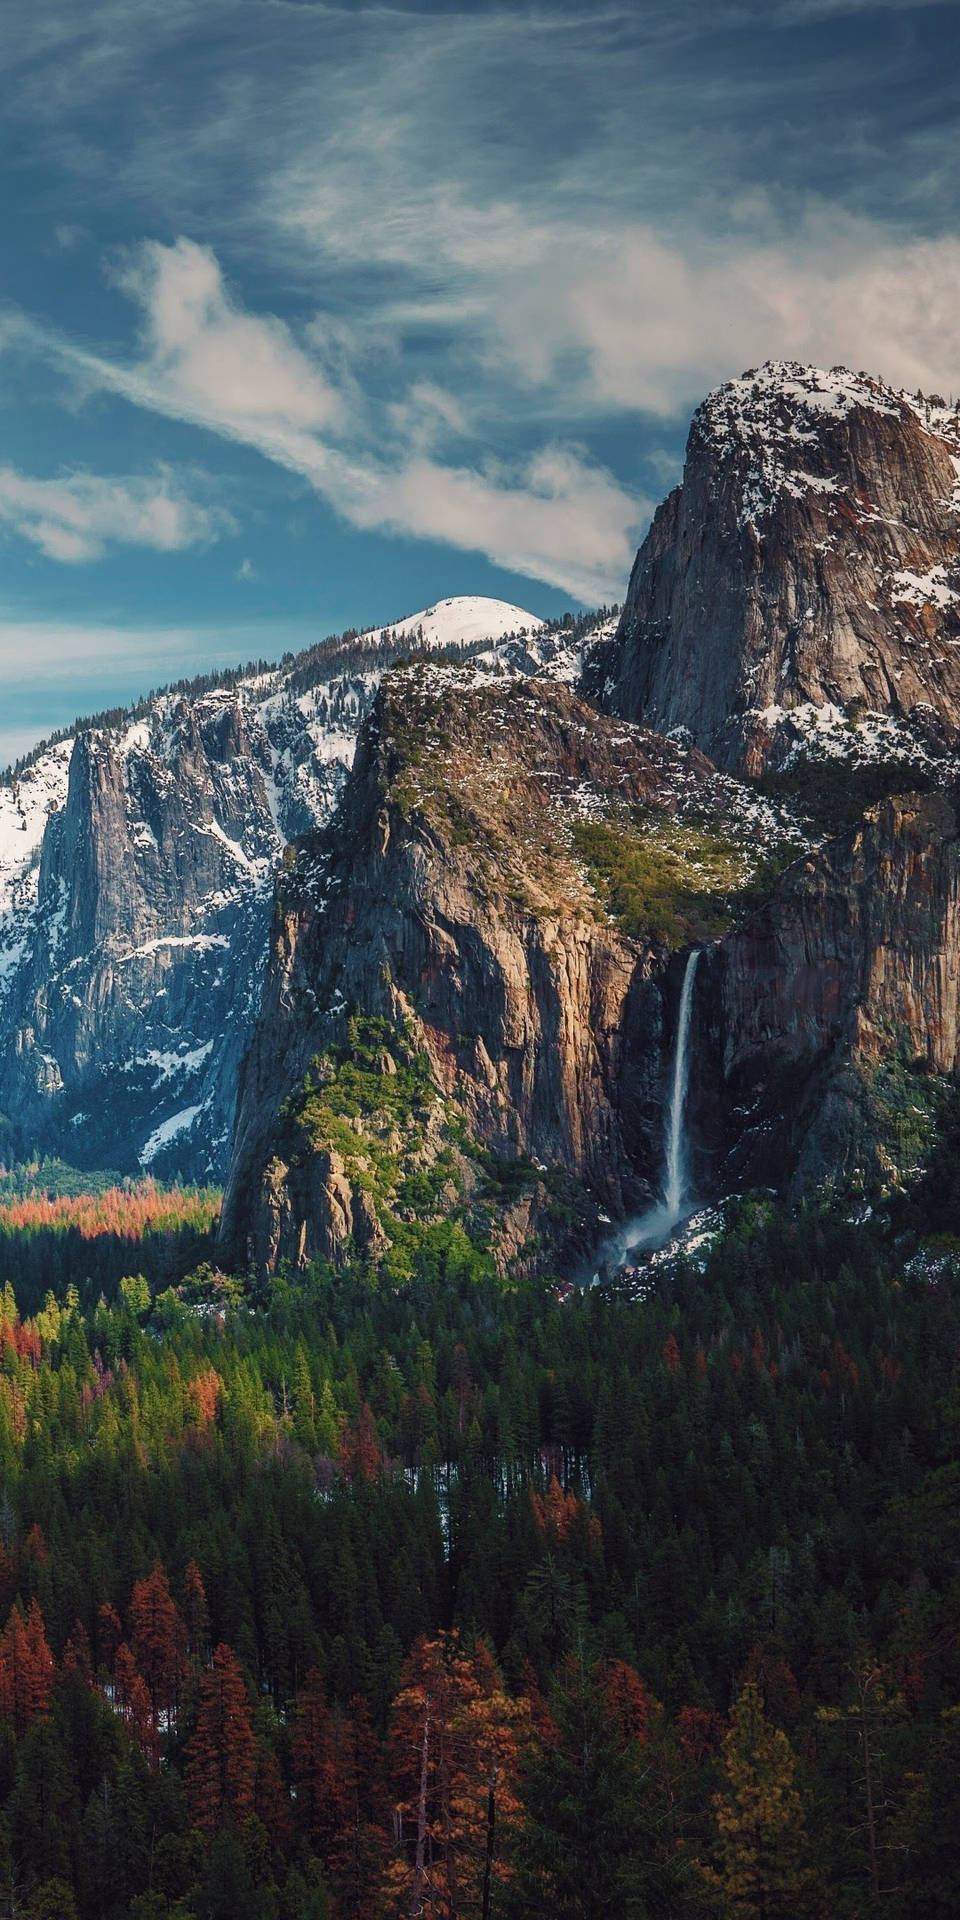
[[480, 1240]]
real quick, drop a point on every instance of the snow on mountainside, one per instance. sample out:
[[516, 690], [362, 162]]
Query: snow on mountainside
[[136, 870], [463, 621], [771, 413], [26, 805]]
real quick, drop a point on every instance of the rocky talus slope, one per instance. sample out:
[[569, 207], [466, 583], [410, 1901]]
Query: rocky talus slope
[[137, 861], [807, 567], [458, 900]]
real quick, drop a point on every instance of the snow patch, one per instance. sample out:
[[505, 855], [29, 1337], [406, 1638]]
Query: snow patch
[[168, 1130], [931, 589]]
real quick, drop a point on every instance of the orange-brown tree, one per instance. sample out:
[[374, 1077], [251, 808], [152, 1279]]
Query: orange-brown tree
[[453, 1765], [221, 1757]]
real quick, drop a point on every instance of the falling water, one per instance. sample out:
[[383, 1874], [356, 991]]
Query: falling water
[[652, 1228], [677, 1172]]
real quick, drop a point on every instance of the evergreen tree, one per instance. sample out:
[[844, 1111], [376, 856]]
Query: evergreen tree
[[761, 1869], [221, 1757], [593, 1843]]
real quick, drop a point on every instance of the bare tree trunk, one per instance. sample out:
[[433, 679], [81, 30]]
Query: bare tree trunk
[[416, 1899], [865, 1689], [491, 1826]]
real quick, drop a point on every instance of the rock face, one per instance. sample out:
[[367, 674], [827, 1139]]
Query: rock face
[[136, 873], [134, 991], [823, 1015], [449, 902], [807, 563]]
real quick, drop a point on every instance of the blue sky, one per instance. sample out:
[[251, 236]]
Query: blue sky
[[313, 314]]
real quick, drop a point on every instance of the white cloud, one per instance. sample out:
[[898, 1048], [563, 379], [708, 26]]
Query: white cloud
[[556, 516], [616, 223], [205, 352], [591, 317], [77, 516], [69, 234], [559, 519], [621, 320], [658, 324]]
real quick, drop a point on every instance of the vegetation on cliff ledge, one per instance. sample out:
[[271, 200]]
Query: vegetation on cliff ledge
[[670, 880]]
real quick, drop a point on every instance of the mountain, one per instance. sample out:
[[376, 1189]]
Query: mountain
[[804, 577], [513, 877], [466, 1008], [469, 946], [137, 860]]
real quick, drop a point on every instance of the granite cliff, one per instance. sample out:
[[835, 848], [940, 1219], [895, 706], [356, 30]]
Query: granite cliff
[[827, 1015], [469, 942], [806, 567], [469, 898], [513, 877]]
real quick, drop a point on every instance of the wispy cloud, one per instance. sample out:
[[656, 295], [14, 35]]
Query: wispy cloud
[[435, 331], [203, 352], [615, 318], [556, 516], [78, 516]]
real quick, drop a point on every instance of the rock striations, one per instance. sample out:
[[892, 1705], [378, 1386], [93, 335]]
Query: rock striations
[[827, 1014], [807, 564], [471, 975]]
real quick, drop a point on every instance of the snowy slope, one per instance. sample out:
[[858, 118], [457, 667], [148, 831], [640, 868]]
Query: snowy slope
[[26, 806], [772, 414], [462, 622]]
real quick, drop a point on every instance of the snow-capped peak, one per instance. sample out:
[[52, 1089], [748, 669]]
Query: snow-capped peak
[[461, 621]]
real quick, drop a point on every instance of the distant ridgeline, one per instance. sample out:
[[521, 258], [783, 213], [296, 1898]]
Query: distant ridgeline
[[60, 1229]]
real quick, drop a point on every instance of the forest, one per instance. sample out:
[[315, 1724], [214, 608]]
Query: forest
[[326, 1596]]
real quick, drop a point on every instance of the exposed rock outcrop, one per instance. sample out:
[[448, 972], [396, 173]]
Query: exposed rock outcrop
[[808, 562], [449, 900]]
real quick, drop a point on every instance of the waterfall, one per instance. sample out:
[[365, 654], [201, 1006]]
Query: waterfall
[[652, 1228], [677, 1171]]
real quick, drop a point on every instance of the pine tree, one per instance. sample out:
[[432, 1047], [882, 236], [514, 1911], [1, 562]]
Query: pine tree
[[196, 1617], [221, 1756], [314, 1768], [26, 1668], [760, 1870], [453, 1744], [159, 1640]]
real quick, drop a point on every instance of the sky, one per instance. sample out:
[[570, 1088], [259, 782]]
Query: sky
[[311, 315]]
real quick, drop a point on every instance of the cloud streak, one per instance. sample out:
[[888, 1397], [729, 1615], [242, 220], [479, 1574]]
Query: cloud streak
[[556, 516], [79, 516], [438, 335]]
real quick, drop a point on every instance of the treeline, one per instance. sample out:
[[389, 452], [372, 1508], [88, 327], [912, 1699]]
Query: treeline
[[46, 1177], [339, 653], [308, 1566], [52, 1237]]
